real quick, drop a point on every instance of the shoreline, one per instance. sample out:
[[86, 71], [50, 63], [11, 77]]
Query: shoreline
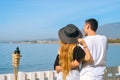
[[114, 43], [52, 41], [44, 43]]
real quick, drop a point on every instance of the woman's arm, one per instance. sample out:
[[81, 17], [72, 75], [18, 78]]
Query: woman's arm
[[58, 69], [74, 64], [56, 64], [78, 56], [88, 57]]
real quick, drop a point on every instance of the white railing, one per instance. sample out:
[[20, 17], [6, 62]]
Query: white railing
[[42, 75], [111, 73]]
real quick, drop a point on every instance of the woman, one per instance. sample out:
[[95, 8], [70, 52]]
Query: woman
[[70, 53]]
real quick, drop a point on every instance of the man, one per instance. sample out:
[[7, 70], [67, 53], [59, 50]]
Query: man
[[97, 45]]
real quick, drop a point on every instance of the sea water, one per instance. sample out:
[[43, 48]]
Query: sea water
[[41, 57]]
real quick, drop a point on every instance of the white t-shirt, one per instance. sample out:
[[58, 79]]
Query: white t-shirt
[[97, 46]]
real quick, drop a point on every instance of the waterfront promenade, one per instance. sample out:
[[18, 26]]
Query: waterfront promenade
[[111, 73]]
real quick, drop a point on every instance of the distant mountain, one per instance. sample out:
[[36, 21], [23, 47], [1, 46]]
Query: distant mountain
[[111, 30]]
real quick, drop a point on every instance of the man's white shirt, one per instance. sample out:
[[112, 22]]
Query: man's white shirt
[[97, 46]]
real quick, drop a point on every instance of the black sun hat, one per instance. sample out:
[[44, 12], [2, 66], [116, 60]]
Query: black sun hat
[[69, 34]]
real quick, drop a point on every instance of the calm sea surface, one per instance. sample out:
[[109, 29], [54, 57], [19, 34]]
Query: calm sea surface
[[40, 57]]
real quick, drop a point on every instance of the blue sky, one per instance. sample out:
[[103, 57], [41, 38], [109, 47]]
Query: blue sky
[[41, 19]]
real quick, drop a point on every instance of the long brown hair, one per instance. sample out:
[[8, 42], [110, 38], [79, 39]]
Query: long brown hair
[[66, 56]]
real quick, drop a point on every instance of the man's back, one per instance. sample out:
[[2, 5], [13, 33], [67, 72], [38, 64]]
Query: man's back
[[97, 45]]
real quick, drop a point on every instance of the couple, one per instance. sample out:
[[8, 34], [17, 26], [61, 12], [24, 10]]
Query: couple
[[81, 58]]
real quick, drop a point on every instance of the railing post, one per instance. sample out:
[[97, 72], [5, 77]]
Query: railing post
[[10, 77], [31, 76], [55, 75], [41, 75], [21, 76], [2, 77], [50, 75]]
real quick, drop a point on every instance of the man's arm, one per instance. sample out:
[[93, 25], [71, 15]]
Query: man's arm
[[88, 57]]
